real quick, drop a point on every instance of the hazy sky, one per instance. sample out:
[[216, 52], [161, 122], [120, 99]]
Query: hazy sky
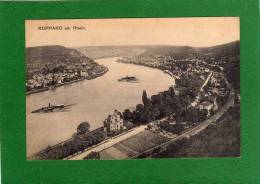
[[135, 31]]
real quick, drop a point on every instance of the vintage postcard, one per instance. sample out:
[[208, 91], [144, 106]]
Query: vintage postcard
[[132, 88]]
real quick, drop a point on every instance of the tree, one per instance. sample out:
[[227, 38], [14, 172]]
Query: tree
[[171, 91], [136, 117], [139, 108], [203, 115], [155, 99], [92, 155], [155, 111], [127, 115], [192, 115], [178, 128], [83, 128], [165, 110], [145, 98]]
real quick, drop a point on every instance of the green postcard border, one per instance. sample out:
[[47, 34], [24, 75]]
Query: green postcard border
[[16, 170]]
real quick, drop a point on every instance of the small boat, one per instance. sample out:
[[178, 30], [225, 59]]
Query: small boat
[[51, 108], [127, 79]]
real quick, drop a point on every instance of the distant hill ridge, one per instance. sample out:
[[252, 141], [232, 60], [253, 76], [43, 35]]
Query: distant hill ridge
[[44, 59], [225, 49], [95, 52], [43, 52], [187, 51], [151, 50]]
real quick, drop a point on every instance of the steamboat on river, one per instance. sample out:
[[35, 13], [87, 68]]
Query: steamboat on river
[[52, 108], [128, 79]]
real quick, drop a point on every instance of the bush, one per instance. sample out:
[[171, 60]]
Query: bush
[[92, 155]]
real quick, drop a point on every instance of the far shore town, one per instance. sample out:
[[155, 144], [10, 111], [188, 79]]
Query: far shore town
[[57, 70], [200, 111]]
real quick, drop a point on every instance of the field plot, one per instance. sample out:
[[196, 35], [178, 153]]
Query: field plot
[[104, 155], [133, 145], [127, 150], [144, 141], [112, 153]]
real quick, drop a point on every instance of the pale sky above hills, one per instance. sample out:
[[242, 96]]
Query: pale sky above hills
[[197, 32]]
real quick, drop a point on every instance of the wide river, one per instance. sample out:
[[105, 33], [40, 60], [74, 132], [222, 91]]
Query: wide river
[[94, 100]]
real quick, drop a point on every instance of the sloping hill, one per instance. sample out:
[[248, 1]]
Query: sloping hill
[[231, 48], [187, 51], [96, 52], [177, 51], [44, 59], [48, 52]]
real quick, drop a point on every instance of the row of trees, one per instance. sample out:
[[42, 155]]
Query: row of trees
[[232, 71], [163, 104], [80, 140], [157, 107]]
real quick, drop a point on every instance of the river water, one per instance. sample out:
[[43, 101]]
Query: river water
[[93, 101]]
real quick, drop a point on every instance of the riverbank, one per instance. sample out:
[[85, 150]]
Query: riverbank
[[153, 67], [70, 82]]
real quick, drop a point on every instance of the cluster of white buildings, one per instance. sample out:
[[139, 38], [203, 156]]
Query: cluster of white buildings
[[216, 89], [169, 63], [40, 80]]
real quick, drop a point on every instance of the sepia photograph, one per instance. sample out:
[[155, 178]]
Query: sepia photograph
[[132, 88]]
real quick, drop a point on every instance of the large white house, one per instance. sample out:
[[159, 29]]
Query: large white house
[[114, 122]]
